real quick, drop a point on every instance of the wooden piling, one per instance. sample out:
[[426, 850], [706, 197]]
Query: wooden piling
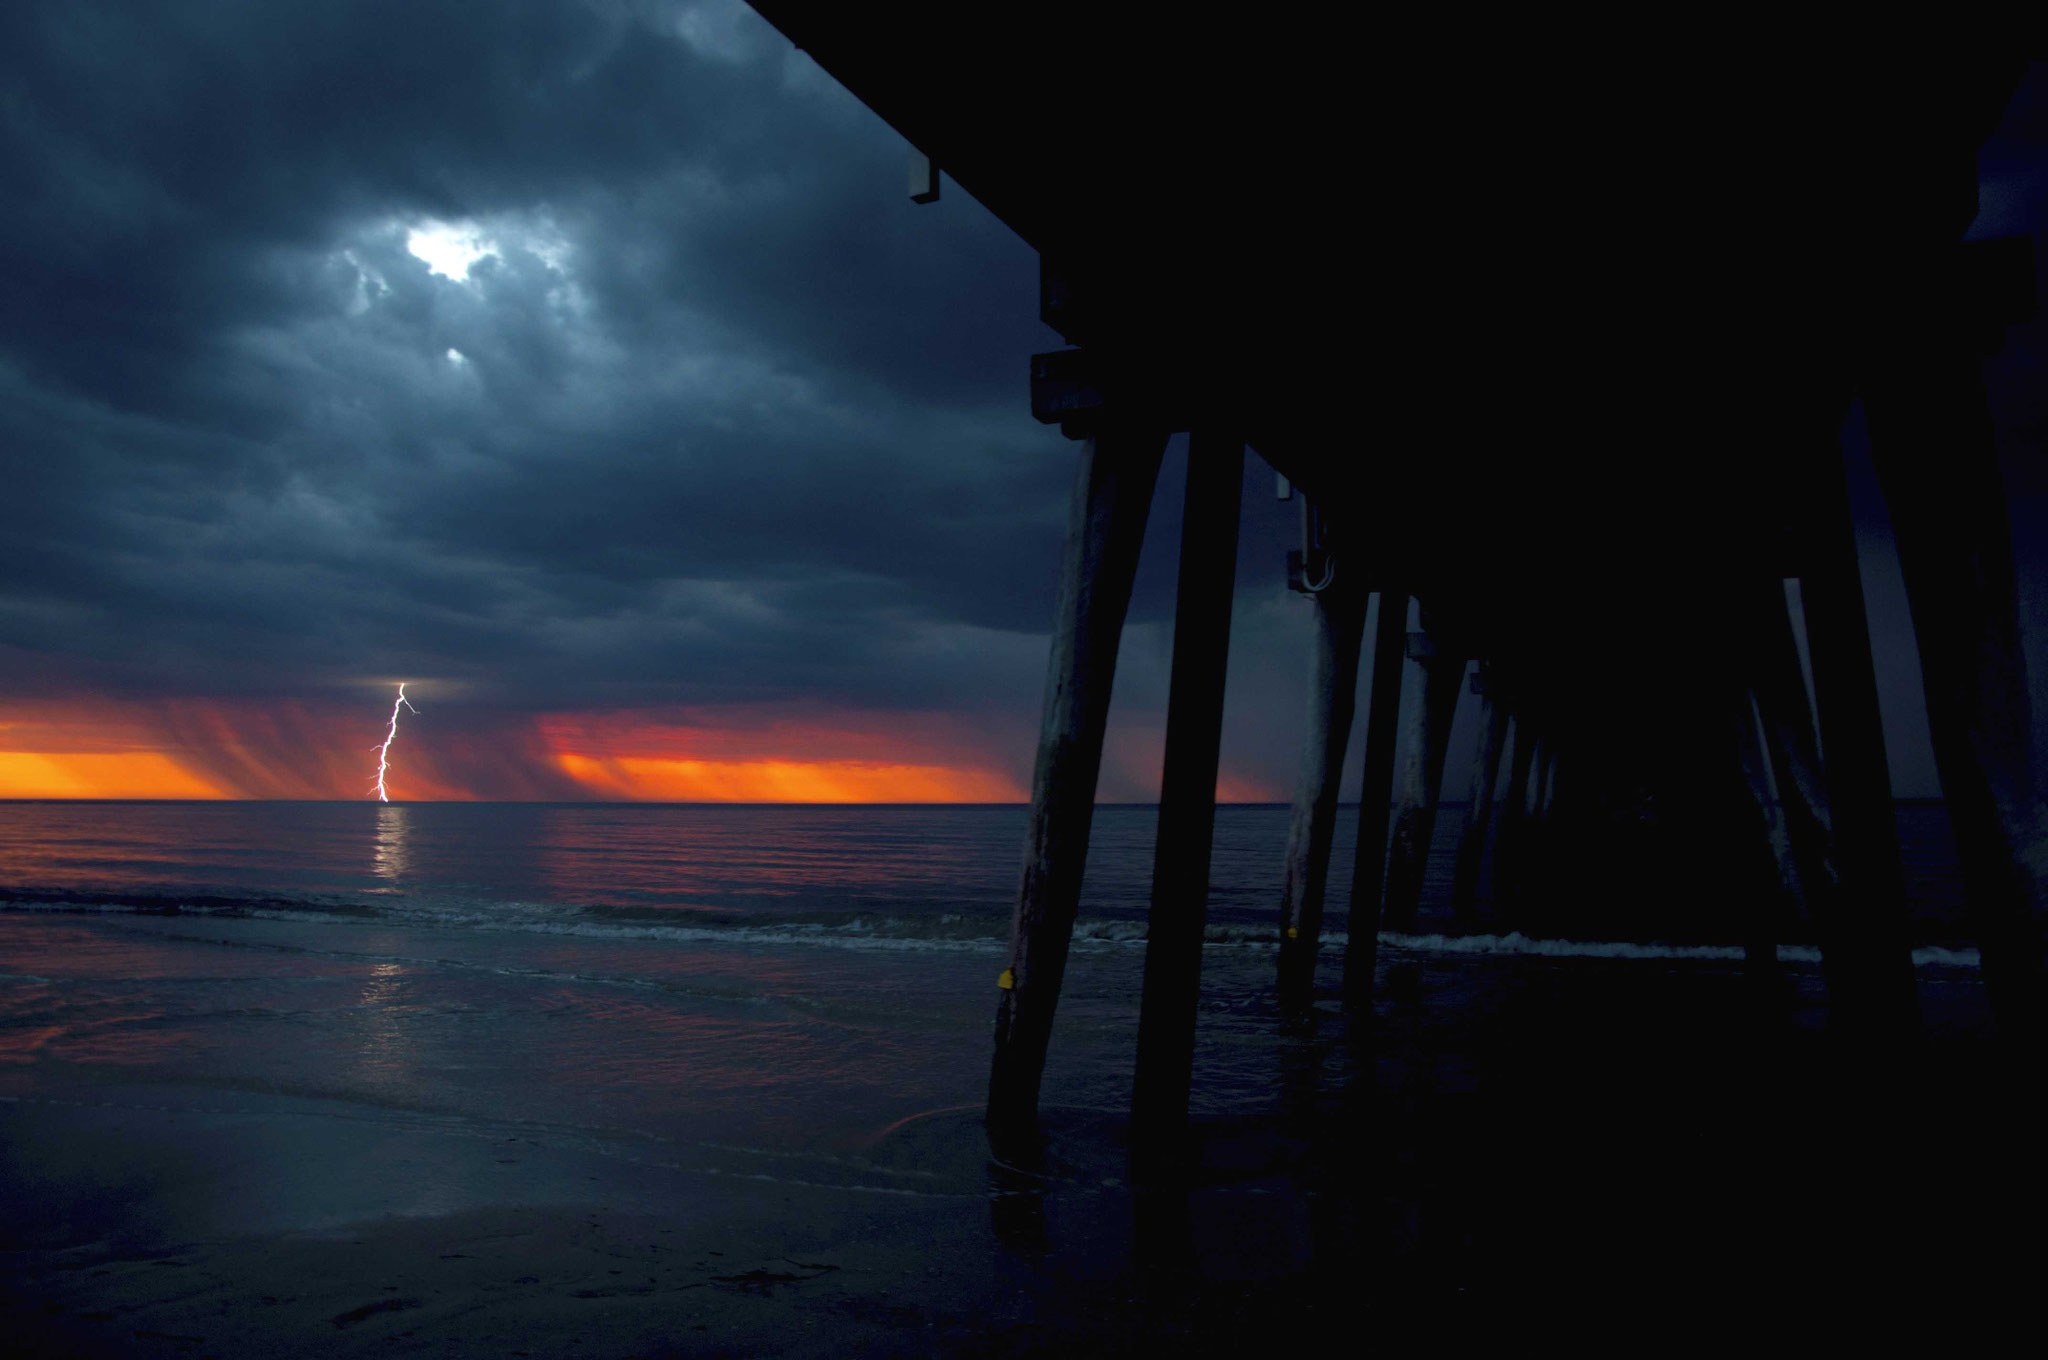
[[1493, 733], [1933, 447], [1792, 747], [1187, 787], [1866, 956], [1333, 682], [1106, 527], [1432, 703], [1762, 818], [1510, 861], [1376, 799]]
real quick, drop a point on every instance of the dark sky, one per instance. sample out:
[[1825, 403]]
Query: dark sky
[[585, 365]]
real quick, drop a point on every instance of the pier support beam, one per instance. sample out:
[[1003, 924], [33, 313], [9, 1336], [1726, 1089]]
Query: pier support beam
[[1105, 529], [1433, 703], [1759, 821], [1187, 788], [1376, 799], [1866, 955], [1511, 839], [1932, 443], [1543, 792], [1333, 682], [1493, 733], [1793, 748]]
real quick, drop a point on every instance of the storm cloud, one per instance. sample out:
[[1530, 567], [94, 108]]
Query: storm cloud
[[580, 356]]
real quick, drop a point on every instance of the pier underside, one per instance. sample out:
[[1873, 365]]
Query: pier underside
[[1530, 328], [1561, 349]]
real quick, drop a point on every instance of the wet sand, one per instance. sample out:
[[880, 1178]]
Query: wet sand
[[268, 1226], [1595, 1151]]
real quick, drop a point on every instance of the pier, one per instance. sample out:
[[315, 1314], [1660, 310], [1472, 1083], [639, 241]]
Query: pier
[[1560, 351]]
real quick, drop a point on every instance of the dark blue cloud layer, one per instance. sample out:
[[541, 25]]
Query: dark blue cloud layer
[[719, 416], [729, 416]]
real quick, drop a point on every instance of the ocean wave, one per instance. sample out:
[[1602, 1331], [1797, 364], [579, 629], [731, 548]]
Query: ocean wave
[[1515, 942], [1929, 956], [172, 902], [942, 932], [766, 934]]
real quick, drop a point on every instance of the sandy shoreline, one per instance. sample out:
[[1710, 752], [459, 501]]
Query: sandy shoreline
[[1520, 1147], [270, 1226], [267, 1228]]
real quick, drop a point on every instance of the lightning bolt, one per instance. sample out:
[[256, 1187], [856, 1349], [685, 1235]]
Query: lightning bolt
[[384, 751]]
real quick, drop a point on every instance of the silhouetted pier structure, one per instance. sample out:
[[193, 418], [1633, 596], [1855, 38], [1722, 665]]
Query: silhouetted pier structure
[[1540, 339]]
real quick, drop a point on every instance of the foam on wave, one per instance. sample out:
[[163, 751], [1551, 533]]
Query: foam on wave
[[947, 932]]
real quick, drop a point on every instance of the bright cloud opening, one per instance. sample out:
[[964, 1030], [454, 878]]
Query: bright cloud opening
[[449, 248]]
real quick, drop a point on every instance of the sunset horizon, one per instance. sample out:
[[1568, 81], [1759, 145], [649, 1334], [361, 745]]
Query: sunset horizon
[[213, 751]]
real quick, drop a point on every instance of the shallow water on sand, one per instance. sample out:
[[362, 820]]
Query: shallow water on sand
[[923, 871], [769, 1026], [777, 978]]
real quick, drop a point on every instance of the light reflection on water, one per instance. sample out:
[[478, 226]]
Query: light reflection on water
[[739, 1044], [381, 1049], [740, 1041], [715, 857], [391, 860], [778, 862]]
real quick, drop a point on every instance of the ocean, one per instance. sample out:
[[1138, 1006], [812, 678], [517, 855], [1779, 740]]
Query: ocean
[[793, 975], [796, 997]]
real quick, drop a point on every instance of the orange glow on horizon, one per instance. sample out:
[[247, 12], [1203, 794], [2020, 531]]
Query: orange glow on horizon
[[99, 774], [193, 748], [659, 779], [1231, 788]]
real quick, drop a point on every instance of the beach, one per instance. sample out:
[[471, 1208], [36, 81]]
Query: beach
[[445, 1118]]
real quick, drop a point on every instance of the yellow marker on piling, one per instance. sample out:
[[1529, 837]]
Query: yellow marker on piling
[[1007, 980], [1293, 934]]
